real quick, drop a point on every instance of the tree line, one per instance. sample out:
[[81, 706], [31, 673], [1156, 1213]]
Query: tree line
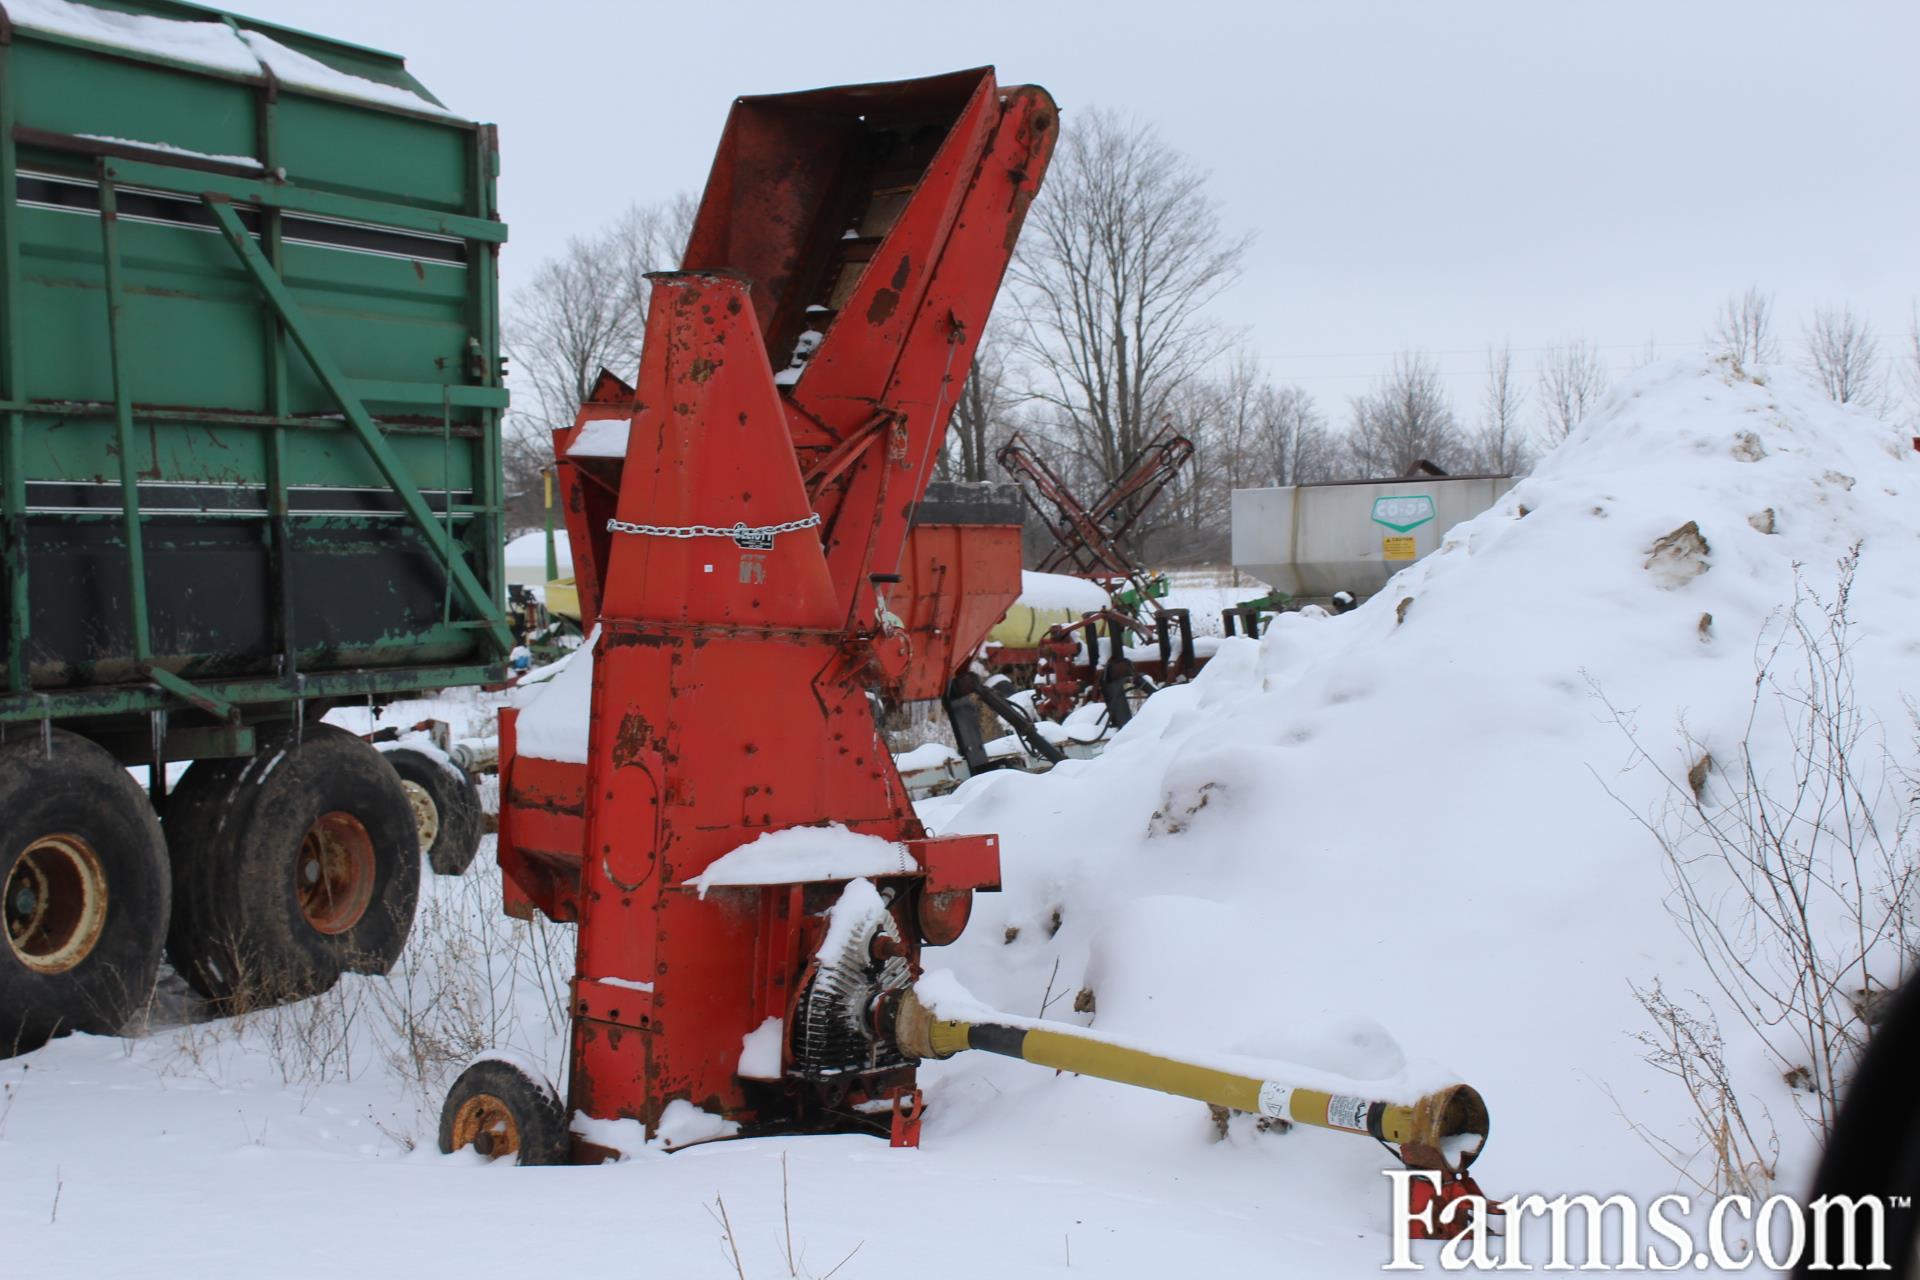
[[1105, 336]]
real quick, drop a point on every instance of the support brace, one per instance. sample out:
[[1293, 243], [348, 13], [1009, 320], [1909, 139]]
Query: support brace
[[471, 592]]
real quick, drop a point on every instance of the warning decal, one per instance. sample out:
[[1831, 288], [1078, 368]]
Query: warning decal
[[1396, 548], [1344, 1112]]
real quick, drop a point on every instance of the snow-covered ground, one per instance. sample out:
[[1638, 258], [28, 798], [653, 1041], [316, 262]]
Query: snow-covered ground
[[1206, 593], [1399, 845]]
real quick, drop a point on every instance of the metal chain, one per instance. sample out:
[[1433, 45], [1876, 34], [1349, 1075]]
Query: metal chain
[[742, 533]]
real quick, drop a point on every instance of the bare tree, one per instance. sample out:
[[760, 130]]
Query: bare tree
[[1222, 416], [1499, 444], [983, 415], [1404, 420], [526, 451], [1121, 255], [1292, 443], [585, 310], [1912, 362], [1844, 354], [1572, 380], [1215, 414], [1245, 432], [1743, 331], [1792, 853]]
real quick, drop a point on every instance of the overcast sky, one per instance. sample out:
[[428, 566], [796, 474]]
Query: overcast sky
[[1431, 176]]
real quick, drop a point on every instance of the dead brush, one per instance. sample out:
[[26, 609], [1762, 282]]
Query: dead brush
[[469, 980], [1738, 1161], [457, 990], [1793, 858], [794, 1260]]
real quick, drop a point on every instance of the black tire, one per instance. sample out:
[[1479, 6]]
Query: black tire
[[194, 809], [502, 1111], [446, 808], [83, 892], [308, 869]]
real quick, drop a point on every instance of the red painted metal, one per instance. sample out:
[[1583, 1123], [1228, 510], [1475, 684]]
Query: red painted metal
[[1090, 540], [731, 676], [908, 1110], [957, 582], [1089, 537]]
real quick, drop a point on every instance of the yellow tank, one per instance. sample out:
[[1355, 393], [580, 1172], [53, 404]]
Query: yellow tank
[[1046, 600], [1025, 626]]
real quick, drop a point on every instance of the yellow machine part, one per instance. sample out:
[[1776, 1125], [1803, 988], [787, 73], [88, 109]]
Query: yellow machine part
[[1443, 1130], [1025, 626], [563, 598]]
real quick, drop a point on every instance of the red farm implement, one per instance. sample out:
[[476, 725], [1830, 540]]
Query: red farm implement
[[1092, 659], [743, 544]]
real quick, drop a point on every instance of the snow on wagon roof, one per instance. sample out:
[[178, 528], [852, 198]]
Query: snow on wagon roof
[[232, 44]]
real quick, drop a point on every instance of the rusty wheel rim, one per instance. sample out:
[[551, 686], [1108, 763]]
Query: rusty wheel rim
[[426, 814], [55, 903], [334, 873], [485, 1123]]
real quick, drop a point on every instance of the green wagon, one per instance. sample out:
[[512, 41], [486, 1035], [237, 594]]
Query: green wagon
[[250, 405]]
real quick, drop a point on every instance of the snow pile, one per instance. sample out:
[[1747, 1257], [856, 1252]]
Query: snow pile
[[928, 755], [799, 854], [555, 706], [760, 1050], [681, 1125], [1412, 830]]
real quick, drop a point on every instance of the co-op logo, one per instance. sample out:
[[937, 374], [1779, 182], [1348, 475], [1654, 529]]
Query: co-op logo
[[1404, 513]]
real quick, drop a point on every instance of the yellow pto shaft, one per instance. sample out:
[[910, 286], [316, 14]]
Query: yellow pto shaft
[[1442, 1131]]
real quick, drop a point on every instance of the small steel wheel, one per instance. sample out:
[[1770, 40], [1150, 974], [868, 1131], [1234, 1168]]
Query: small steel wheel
[[505, 1113], [446, 807]]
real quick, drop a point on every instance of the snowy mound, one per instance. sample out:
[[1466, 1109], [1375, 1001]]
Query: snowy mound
[[1387, 848], [1406, 843]]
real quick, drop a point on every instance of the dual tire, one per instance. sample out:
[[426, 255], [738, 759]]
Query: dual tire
[[290, 869], [274, 875]]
